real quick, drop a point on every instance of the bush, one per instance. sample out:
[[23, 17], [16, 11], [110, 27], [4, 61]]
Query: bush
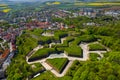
[[94, 56]]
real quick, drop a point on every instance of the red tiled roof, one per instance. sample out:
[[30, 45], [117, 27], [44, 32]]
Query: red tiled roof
[[5, 53]]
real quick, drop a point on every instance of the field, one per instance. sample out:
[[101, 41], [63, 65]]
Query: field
[[41, 53], [4, 8], [36, 67], [58, 63], [3, 5], [75, 51], [96, 46], [53, 3], [97, 4]]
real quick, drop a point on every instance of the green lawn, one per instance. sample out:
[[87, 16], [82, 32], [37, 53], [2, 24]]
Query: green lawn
[[36, 67], [59, 34], [65, 42], [41, 53], [74, 51], [58, 63], [69, 75], [97, 4], [49, 76], [96, 46]]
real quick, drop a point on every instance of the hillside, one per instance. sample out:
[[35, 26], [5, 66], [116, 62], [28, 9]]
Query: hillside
[[98, 0]]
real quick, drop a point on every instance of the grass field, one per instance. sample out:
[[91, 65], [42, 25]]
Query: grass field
[[4, 8], [58, 63], [96, 46], [75, 51], [41, 53], [53, 3], [97, 4], [36, 67], [3, 5]]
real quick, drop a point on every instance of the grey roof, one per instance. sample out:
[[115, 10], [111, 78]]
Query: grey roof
[[2, 75]]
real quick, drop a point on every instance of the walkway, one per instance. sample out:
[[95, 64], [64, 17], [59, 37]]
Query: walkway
[[86, 52]]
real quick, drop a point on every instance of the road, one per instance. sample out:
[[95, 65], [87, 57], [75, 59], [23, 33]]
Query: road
[[85, 49]]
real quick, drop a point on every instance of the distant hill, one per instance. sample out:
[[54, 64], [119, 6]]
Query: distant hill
[[98, 0], [91, 0]]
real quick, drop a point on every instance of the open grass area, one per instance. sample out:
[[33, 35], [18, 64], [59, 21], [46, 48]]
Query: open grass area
[[49, 76], [41, 53], [70, 73], [3, 5], [98, 3], [87, 38], [96, 46], [60, 34], [36, 67], [75, 51], [58, 63], [53, 3], [65, 42], [4, 8]]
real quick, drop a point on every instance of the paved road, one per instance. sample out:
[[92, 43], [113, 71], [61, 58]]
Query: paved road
[[85, 49], [62, 40], [10, 44], [47, 34]]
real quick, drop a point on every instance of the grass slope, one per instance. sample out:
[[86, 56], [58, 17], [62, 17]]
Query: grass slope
[[41, 53], [58, 63], [96, 46]]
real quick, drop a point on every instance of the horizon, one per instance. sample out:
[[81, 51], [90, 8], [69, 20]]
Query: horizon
[[27, 0], [59, 0]]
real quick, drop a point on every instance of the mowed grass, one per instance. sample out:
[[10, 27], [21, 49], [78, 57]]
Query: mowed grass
[[36, 67], [41, 53], [97, 3], [6, 10], [53, 3], [96, 46], [75, 51], [58, 63]]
